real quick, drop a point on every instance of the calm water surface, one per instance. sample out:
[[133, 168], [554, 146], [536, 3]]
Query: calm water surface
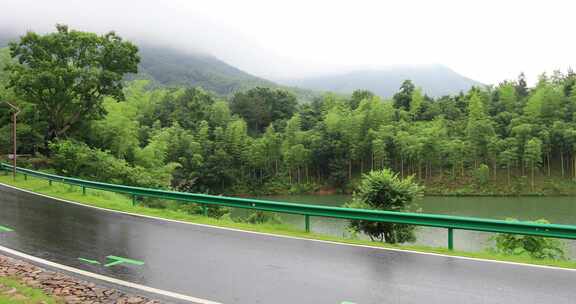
[[558, 210]]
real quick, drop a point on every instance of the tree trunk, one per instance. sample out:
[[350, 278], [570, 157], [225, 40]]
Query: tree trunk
[[349, 169], [562, 162], [402, 166], [548, 160], [419, 170], [574, 165], [532, 176], [299, 176], [276, 167]]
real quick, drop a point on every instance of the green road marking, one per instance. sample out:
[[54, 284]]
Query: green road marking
[[119, 260], [113, 263], [5, 229], [89, 261]]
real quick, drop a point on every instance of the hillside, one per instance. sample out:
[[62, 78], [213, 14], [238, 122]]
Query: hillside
[[435, 80], [173, 67]]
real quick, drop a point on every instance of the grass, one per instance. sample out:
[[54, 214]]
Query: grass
[[119, 202], [21, 294], [518, 185]]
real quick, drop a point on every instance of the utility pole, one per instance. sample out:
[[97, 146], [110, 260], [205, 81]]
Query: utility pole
[[14, 115]]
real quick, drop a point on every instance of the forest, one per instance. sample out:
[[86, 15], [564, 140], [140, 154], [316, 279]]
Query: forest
[[503, 139]]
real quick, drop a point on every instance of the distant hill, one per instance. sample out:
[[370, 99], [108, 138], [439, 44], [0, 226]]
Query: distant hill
[[171, 67], [435, 80], [174, 68]]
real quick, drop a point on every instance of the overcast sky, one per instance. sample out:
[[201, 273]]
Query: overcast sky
[[487, 40]]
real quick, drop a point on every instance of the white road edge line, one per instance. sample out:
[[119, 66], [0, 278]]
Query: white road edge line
[[293, 237], [105, 278]]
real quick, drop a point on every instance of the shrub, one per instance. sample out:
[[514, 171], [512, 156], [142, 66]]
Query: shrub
[[536, 247], [385, 190], [482, 175], [261, 217], [77, 159]]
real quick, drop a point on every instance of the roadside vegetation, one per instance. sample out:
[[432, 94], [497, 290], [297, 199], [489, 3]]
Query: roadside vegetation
[[12, 291], [508, 139], [264, 222], [535, 247], [385, 190]]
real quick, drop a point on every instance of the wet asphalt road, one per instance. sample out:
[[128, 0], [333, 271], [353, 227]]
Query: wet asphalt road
[[236, 267]]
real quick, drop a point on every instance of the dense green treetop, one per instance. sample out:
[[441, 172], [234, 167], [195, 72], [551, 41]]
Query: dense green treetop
[[66, 74], [261, 106]]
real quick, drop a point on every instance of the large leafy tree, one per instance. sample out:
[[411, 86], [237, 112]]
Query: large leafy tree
[[66, 74], [261, 106], [403, 98]]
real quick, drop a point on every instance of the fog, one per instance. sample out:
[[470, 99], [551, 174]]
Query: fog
[[485, 40]]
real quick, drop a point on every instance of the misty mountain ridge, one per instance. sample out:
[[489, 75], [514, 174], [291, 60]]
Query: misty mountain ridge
[[170, 66], [435, 80], [173, 67]]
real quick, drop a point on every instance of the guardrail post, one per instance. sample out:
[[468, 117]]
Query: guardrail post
[[49, 182], [133, 199], [25, 176], [204, 210], [83, 190], [307, 222], [450, 238]]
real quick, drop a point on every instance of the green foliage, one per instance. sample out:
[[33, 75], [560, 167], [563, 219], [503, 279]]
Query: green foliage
[[416, 103], [67, 73], [260, 217], [403, 98], [385, 190], [482, 175], [534, 246], [216, 212], [358, 96], [260, 107], [77, 159], [261, 139]]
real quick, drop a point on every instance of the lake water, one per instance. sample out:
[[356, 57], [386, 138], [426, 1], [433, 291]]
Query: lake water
[[557, 210]]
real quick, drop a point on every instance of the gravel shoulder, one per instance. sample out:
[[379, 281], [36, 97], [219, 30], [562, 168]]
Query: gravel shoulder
[[67, 288]]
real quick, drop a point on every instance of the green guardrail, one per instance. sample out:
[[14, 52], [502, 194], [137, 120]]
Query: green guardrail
[[419, 219]]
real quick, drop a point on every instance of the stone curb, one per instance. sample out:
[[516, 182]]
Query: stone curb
[[71, 290]]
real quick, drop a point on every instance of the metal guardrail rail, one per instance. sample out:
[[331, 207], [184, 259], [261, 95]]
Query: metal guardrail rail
[[419, 219]]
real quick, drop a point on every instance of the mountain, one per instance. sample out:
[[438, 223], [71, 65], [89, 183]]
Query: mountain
[[435, 80], [174, 68], [171, 67]]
